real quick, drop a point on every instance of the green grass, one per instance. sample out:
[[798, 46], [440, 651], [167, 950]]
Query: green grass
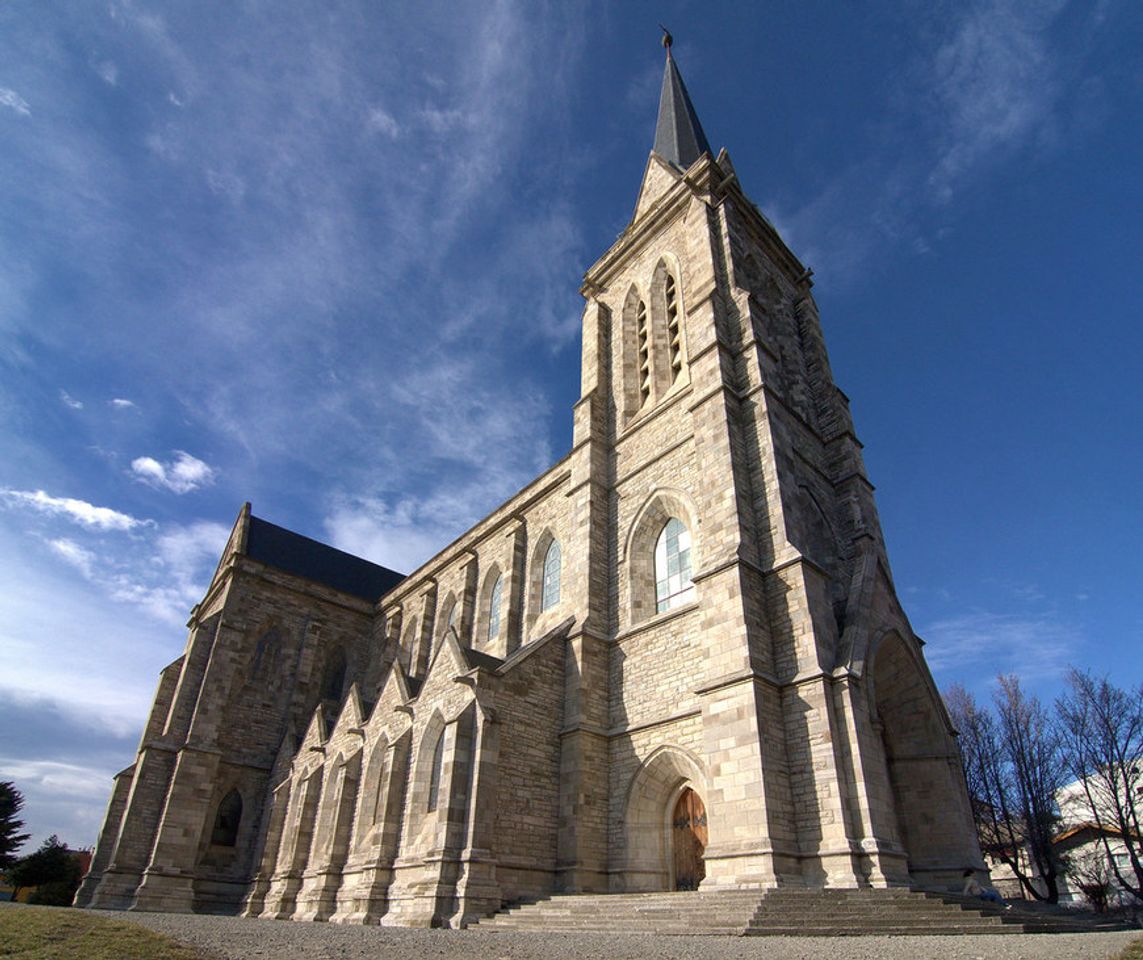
[[59, 933]]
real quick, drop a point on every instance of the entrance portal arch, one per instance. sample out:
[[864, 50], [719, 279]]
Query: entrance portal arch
[[658, 855]]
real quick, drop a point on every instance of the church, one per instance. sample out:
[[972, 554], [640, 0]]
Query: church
[[674, 661]]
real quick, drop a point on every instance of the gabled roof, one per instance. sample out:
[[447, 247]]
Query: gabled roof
[[476, 658], [678, 134], [291, 552]]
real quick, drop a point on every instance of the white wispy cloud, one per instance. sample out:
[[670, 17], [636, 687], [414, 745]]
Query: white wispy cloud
[[78, 511], [61, 779], [188, 552], [13, 101], [108, 71], [64, 798], [985, 85], [382, 121], [995, 81], [1037, 647], [226, 184], [78, 654], [119, 403], [181, 475], [400, 537], [173, 576], [69, 401], [71, 552]]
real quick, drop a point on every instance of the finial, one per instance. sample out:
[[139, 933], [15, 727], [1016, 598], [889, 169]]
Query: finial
[[667, 38]]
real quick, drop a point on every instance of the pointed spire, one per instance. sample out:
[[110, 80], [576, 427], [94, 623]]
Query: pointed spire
[[678, 134]]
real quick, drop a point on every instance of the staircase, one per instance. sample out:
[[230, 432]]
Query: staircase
[[783, 912]]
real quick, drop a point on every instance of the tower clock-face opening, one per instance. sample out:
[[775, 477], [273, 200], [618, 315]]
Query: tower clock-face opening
[[688, 840]]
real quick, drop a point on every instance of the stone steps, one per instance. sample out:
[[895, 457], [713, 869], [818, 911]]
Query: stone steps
[[782, 912]]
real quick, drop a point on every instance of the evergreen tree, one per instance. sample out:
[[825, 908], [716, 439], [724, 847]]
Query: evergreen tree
[[53, 869], [11, 800]]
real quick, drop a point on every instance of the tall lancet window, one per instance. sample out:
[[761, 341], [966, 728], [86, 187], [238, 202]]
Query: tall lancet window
[[674, 335], [494, 608], [643, 335], [673, 586], [435, 774], [550, 595]]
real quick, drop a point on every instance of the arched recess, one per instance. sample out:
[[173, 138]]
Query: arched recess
[[638, 379], [279, 808], [337, 816], [435, 736], [304, 803], [922, 764], [652, 800], [227, 819], [639, 546], [810, 529], [371, 804], [333, 676], [267, 651], [381, 797], [668, 327]]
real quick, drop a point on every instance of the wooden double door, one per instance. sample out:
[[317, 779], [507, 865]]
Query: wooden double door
[[688, 840]]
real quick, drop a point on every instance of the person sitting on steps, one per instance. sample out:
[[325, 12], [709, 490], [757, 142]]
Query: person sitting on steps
[[973, 888]]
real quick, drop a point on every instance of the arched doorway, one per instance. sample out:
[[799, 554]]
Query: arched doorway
[[688, 840], [647, 847]]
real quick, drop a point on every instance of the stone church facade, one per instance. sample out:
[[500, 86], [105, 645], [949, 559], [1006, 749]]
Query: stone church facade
[[675, 659]]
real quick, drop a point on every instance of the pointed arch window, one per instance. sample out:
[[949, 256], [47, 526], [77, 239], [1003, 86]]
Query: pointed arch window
[[227, 820], [494, 607], [266, 654], [550, 595], [435, 774], [673, 586]]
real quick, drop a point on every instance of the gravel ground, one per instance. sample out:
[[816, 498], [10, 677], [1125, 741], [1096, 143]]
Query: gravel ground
[[238, 939]]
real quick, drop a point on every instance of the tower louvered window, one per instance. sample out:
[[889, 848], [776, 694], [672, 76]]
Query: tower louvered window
[[674, 335], [644, 336]]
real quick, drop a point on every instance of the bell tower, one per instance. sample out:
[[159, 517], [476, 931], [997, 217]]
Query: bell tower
[[758, 655]]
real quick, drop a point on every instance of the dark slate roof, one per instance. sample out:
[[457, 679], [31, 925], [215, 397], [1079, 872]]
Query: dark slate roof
[[678, 134], [291, 552]]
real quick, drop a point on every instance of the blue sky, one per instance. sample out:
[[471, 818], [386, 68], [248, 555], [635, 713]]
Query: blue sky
[[325, 257]]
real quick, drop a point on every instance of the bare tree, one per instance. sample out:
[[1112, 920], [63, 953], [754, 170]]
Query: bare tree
[[1102, 729], [1013, 767], [1091, 874]]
